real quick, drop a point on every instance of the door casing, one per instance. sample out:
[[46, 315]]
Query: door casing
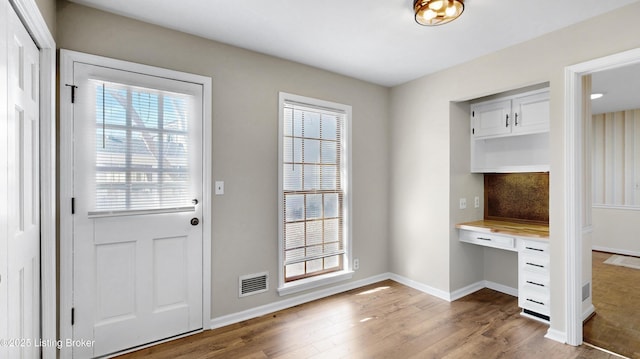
[[67, 58], [574, 186]]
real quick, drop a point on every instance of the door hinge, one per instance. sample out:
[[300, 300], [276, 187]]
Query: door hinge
[[73, 205], [73, 316], [73, 92]]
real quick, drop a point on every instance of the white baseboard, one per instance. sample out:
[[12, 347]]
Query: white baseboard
[[616, 251], [463, 292], [319, 294], [421, 287], [501, 288], [292, 302], [556, 335], [587, 313]]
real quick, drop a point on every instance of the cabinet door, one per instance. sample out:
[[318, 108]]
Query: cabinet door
[[491, 118], [531, 113]]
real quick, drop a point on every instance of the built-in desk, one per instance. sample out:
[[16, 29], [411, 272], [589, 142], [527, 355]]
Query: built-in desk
[[531, 242], [527, 230]]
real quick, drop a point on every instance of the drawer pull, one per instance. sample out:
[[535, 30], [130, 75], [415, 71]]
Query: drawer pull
[[535, 265], [484, 239], [534, 283], [535, 301], [534, 249]]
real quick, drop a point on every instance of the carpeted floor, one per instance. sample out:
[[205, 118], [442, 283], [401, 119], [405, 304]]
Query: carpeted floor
[[616, 297]]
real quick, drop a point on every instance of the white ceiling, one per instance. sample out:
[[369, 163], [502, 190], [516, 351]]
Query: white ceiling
[[621, 89], [372, 40]]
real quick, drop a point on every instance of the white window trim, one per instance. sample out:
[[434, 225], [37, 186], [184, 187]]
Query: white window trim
[[67, 59], [347, 272]]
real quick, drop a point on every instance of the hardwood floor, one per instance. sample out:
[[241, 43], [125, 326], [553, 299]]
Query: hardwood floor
[[383, 320], [616, 297]]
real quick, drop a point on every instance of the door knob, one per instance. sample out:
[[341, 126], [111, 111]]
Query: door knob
[[194, 221]]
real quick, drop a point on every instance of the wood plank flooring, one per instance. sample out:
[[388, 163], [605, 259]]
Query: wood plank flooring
[[383, 320], [616, 297]]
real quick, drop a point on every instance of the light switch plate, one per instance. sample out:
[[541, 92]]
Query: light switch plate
[[219, 190], [476, 202]]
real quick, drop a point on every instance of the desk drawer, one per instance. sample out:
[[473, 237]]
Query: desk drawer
[[534, 247], [488, 240], [535, 264], [535, 302], [536, 283]]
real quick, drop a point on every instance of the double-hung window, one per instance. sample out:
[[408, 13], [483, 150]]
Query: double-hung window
[[314, 179]]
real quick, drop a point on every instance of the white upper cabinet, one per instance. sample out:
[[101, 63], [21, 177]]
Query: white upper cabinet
[[491, 118], [531, 113], [525, 113], [511, 133]]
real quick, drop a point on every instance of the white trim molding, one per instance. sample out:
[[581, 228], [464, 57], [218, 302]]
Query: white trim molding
[[556, 335], [322, 293], [67, 59], [472, 288], [33, 21], [573, 186], [423, 287], [345, 167], [588, 312], [623, 252], [292, 302], [501, 288]]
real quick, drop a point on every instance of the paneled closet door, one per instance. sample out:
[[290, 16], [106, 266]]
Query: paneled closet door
[[20, 134]]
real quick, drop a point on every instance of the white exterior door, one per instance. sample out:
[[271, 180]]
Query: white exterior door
[[137, 184], [20, 198]]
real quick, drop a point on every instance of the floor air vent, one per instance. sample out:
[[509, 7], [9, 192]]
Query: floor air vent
[[254, 283]]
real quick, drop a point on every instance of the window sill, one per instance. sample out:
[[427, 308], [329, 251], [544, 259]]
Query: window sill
[[310, 283]]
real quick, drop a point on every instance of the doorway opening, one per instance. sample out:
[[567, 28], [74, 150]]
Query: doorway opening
[[578, 190]]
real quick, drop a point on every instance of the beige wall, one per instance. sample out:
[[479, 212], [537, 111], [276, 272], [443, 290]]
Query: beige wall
[[616, 230], [48, 10], [425, 177], [245, 124], [469, 264]]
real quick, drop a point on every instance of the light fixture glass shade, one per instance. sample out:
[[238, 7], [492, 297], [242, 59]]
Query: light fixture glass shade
[[437, 12]]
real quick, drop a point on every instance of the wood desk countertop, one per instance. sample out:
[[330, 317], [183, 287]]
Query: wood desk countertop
[[530, 230]]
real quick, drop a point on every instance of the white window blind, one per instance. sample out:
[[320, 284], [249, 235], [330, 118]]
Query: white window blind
[[141, 148], [313, 181]]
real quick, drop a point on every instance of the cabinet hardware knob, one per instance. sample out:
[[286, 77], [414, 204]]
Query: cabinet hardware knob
[[195, 221]]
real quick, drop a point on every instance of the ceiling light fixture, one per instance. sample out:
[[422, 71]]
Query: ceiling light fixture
[[437, 12], [596, 95]]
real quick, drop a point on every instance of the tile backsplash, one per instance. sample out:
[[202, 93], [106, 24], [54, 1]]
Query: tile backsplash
[[517, 196]]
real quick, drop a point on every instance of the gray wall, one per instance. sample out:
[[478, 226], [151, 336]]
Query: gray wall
[[245, 125], [48, 11]]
